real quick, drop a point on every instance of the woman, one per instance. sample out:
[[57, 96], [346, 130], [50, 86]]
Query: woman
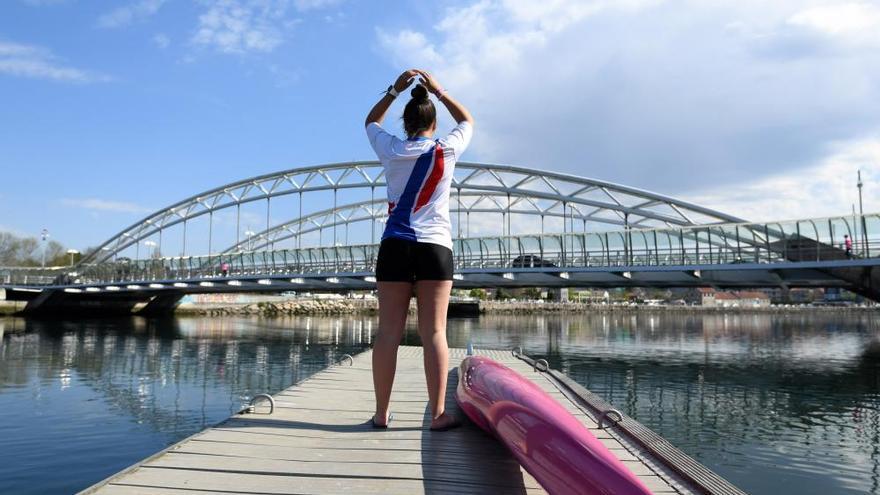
[[416, 248]]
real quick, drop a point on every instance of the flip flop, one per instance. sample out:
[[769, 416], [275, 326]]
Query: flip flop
[[455, 423], [377, 425]]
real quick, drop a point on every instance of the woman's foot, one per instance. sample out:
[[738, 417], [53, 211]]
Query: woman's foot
[[381, 421], [445, 422]]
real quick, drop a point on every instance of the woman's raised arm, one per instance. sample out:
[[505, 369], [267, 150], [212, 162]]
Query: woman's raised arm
[[456, 109], [377, 113]]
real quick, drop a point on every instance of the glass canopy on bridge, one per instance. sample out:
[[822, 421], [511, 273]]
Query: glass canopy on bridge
[[820, 239]]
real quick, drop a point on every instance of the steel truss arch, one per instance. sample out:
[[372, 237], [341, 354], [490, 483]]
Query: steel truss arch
[[491, 188], [376, 210]]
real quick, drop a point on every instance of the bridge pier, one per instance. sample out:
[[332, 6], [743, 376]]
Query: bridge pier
[[562, 294], [56, 302], [863, 280], [162, 304]]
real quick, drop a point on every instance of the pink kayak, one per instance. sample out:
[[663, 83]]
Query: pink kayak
[[545, 438]]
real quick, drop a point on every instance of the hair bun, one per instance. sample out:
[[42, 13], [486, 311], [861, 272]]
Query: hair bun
[[419, 92]]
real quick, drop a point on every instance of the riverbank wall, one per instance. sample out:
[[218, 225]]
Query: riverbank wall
[[289, 307], [531, 307], [9, 308], [317, 307], [368, 307]]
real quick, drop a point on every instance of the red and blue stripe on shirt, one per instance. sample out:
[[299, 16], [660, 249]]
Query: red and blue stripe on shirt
[[422, 182]]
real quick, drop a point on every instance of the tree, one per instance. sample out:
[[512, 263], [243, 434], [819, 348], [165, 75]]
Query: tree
[[17, 251], [531, 293], [56, 254], [503, 294], [478, 294], [28, 251]]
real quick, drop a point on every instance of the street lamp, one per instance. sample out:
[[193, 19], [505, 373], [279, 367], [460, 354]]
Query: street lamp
[[72, 253], [861, 212], [250, 234], [44, 235]]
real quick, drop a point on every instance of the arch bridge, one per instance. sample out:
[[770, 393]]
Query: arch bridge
[[317, 228]]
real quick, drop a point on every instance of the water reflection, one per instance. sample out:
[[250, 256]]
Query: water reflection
[[777, 403], [117, 390], [770, 401]]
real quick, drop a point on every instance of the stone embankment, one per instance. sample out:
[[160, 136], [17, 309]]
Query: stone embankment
[[526, 307], [8, 308], [317, 307], [292, 307]]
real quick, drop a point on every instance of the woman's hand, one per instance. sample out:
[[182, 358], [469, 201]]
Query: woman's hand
[[456, 109], [429, 82], [404, 80], [377, 113]]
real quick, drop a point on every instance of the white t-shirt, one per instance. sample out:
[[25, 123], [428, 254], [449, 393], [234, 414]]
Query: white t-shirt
[[418, 173]]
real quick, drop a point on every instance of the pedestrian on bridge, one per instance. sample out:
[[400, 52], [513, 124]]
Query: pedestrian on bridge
[[416, 248], [847, 244]]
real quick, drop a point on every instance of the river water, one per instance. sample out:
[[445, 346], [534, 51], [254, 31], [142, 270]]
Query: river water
[[777, 403]]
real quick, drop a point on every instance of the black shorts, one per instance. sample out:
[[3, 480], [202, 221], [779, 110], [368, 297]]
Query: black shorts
[[407, 261]]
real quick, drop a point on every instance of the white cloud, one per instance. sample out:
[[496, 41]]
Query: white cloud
[[284, 77], [554, 15], [39, 63], [18, 50], [125, 15], [162, 40], [241, 26], [304, 5], [668, 96], [858, 20], [251, 26], [97, 204], [825, 189]]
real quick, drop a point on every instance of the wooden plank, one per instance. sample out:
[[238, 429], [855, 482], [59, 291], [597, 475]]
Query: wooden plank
[[450, 444], [152, 490], [353, 454], [506, 475], [318, 440], [237, 482]]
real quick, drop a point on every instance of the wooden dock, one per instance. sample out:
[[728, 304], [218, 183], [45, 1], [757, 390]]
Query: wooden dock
[[318, 441]]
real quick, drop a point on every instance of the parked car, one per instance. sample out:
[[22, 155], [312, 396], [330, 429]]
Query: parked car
[[530, 261]]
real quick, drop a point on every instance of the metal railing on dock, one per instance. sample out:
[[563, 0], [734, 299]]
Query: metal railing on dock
[[318, 439], [707, 481]]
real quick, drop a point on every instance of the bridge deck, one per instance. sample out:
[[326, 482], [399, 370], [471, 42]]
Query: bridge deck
[[317, 441]]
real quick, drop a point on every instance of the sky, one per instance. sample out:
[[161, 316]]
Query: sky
[[111, 110]]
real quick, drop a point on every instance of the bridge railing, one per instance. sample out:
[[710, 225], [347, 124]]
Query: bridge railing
[[796, 241], [326, 260], [10, 275], [803, 240]]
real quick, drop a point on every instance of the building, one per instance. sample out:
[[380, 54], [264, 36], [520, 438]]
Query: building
[[742, 299], [591, 296], [752, 299]]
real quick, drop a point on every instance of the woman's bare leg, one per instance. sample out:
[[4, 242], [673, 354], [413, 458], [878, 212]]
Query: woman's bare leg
[[433, 301], [393, 306]]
